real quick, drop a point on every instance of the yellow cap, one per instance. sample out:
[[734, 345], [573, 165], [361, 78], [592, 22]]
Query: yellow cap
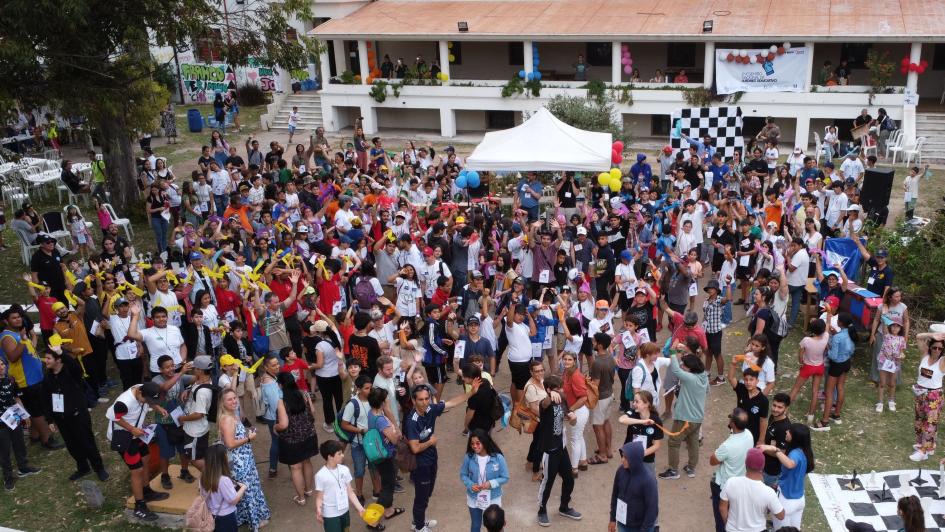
[[227, 360], [460, 220], [58, 305]]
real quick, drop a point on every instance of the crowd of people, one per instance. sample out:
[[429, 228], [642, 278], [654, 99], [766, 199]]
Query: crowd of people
[[365, 279]]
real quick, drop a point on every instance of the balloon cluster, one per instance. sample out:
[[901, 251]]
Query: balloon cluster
[[616, 152], [611, 179], [452, 58], [467, 178], [747, 58], [442, 76], [373, 71], [908, 66], [625, 59], [536, 60]]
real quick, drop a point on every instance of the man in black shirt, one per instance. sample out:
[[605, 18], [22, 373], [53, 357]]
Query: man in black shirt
[[750, 399], [776, 435], [363, 347], [235, 160], [721, 236], [567, 192], [46, 267], [694, 172], [479, 406], [555, 461], [745, 255], [76, 185], [757, 165], [605, 262]]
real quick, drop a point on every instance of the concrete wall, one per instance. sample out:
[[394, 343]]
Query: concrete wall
[[470, 121], [408, 118]]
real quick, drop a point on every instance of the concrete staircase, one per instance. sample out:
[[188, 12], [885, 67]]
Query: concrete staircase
[[310, 112], [932, 127]]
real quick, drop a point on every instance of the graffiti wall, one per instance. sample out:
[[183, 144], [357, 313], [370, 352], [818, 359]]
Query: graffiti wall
[[202, 81]]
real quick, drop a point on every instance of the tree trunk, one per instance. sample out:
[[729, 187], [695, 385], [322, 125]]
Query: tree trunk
[[119, 155]]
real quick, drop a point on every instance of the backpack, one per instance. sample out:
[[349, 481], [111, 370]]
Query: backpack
[[364, 293], [214, 400], [496, 409], [373, 443], [198, 517], [260, 341], [778, 324], [343, 434]]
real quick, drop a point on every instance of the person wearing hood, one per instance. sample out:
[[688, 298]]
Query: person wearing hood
[[641, 171], [634, 500]]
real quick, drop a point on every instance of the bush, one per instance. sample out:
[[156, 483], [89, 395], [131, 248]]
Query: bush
[[918, 262], [588, 115], [251, 95]]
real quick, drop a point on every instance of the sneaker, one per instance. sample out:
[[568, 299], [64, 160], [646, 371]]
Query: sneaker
[[892, 406], [820, 426], [103, 400], [810, 419], [328, 428], [543, 519], [918, 456], [166, 481], [669, 474], [144, 513], [421, 529], [690, 471], [718, 381], [9, 484], [27, 471], [570, 513], [273, 473], [879, 408], [102, 475], [152, 496], [430, 523], [53, 444], [836, 419], [186, 476], [79, 474], [465, 433], [399, 488]]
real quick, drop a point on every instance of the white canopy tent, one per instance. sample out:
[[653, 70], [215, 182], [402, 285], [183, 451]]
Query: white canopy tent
[[542, 143]]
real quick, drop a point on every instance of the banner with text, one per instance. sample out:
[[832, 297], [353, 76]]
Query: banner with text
[[783, 73]]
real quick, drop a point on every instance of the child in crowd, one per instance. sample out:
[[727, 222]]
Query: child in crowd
[[889, 361], [333, 491], [221, 493]]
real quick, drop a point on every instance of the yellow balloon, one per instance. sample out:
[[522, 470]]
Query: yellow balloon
[[603, 178], [449, 44], [616, 173], [452, 58], [615, 185]]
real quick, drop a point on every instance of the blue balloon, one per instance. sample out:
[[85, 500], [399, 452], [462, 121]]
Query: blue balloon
[[537, 75], [472, 179], [521, 74], [463, 172], [536, 62], [461, 181]]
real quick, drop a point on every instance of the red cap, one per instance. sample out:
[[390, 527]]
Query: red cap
[[428, 251], [667, 149]]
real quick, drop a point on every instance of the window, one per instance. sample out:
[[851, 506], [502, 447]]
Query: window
[[208, 47], [659, 125], [855, 54], [516, 53], [500, 119], [599, 53], [681, 55], [938, 59]]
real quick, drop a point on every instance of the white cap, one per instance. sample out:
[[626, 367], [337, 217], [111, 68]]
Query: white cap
[[582, 230], [401, 214], [855, 207]]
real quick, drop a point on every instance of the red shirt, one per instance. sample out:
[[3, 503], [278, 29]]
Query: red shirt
[[440, 297], [346, 332], [227, 300], [329, 292], [680, 332], [575, 387], [283, 289], [47, 318], [298, 370]]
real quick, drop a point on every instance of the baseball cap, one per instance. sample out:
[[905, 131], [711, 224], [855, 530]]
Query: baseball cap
[[151, 391], [472, 321], [667, 149], [308, 290], [45, 238], [376, 314], [582, 230], [855, 207], [882, 253], [227, 360], [833, 301], [400, 214], [320, 326], [755, 460], [203, 362], [58, 305], [626, 255], [602, 304], [195, 255], [828, 164], [828, 273], [476, 274], [428, 251], [121, 301]]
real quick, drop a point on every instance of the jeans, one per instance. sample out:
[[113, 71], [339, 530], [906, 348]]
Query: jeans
[[424, 479], [12, 438], [225, 523], [159, 226], [220, 201], [797, 293], [727, 309], [273, 445], [716, 500]]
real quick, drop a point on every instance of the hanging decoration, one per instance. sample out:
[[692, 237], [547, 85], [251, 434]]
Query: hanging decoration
[[908, 66], [536, 60], [625, 59], [744, 57]]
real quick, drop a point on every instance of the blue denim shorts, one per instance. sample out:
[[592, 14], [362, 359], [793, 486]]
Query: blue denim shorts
[[167, 449], [359, 459]]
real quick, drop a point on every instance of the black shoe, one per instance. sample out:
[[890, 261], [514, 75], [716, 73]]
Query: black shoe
[[103, 475], [152, 496], [53, 444], [27, 471], [79, 474], [144, 513], [9, 484], [186, 476], [166, 481]]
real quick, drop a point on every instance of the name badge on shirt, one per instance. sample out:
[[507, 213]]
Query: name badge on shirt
[[483, 499], [58, 403], [459, 349], [544, 276]]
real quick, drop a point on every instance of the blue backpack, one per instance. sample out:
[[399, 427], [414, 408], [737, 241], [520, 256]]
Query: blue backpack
[[343, 434]]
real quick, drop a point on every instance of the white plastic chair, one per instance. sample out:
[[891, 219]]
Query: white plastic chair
[[26, 249], [65, 214], [894, 141], [124, 223], [916, 152], [14, 196], [867, 147], [902, 148]]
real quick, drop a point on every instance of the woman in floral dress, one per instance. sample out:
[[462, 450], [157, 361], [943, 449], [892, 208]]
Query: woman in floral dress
[[252, 510]]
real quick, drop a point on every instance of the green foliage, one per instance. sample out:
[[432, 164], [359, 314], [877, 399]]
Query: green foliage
[[513, 87], [622, 94], [379, 91], [347, 77], [698, 97], [250, 94], [881, 71], [534, 87], [588, 115], [596, 90], [918, 259]]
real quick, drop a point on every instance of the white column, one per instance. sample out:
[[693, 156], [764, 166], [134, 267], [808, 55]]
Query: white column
[[912, 78], [324, 68], [341, 56], [369, 124], [809, 80], [709, 68], [445, 60], [363, 68], [447, 123], [802, 132], [330, 118], [527, 54], [615, 66]]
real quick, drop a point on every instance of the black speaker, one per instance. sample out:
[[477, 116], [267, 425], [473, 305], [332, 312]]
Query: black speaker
[[877, 186]]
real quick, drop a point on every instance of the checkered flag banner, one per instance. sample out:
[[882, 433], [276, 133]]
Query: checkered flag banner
[[723, 124]]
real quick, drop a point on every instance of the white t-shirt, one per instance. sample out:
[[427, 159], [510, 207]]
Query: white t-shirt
[[329, 362], [749, 501], [198, 401], [852, 168], [124, 350], [333, 483], [407, 293], [605, 325], [429, 273], [771, 155], [219, 182], [136, 415], [520, 346], [293, 118], [628, 277], [697, 217], [800, 261], [165, 341]]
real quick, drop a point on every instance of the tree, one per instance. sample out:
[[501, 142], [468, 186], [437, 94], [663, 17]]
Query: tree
[[92, 57], [589, 115]]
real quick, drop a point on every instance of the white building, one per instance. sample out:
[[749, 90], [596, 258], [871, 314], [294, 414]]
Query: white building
[[660, 34]]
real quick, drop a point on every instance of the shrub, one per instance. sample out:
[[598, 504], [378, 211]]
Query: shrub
[[588, 115], [251, 95]]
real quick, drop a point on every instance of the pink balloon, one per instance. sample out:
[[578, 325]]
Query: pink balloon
[[628, 69], [624, 60], [624, 48]]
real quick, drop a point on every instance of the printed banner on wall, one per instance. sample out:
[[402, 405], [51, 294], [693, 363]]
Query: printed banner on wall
[[786, 72], [202, 80]]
